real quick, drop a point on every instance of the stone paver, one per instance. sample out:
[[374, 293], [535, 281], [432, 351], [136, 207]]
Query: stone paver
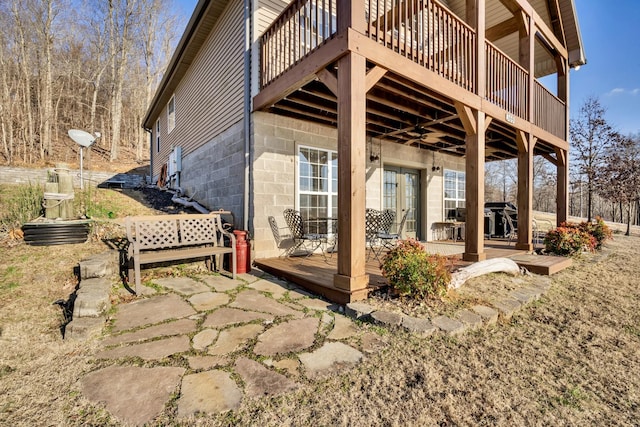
[[204, 338], [386, 319], [422, 327], [507, 306], [469, 318], [276, 289], [233, 339], [151, 310], [134, 395], [255, 301], [154, 350], [183, 285], [206, 301], [317, 304], [488, 314], [372, 343], [289, 365], [295, 335], [526, 294], [229, 316], [92, 299], [177, 327], [210, 392], [358, 310], [206, 362], [448, 325], [297, 293], [330, 357], [260, 381], [221, 283], [343, 328]]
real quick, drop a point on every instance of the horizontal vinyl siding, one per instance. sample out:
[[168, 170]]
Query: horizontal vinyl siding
[[209, 99], [268, 11]]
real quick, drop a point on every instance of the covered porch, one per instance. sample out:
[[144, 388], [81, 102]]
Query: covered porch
[[316, 273], [417, 73]]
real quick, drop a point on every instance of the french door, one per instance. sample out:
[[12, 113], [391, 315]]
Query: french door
[[401, 192]]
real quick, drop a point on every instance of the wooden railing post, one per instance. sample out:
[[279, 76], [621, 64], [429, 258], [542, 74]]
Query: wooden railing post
[[351, 14], [476, 19]]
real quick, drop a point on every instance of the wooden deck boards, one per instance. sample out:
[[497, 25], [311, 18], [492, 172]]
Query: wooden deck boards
[[315, 274]]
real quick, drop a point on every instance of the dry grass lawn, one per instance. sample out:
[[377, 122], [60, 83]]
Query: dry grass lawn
[[571, 358]]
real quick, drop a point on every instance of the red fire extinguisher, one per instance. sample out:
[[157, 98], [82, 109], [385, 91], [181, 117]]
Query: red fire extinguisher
[[243, 252]]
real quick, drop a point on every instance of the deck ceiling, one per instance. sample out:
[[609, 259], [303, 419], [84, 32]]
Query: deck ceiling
[[399, 111]]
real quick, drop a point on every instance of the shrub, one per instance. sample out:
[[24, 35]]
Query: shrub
[[413, 272], [598, 229], [568, 240]]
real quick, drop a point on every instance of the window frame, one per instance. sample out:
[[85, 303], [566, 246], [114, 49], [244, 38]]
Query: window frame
[[158, 136], [460, 182], [171, 114], [330, 193]]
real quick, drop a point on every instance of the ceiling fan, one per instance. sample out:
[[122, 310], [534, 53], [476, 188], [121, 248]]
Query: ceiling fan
[[424, 136]]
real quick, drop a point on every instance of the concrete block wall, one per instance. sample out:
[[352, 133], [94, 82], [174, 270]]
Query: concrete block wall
[[213, 174], [16, 175], [275, 142]]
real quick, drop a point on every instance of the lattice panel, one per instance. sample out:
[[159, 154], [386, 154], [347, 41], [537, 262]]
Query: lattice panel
[[157, 234], [194, 231]]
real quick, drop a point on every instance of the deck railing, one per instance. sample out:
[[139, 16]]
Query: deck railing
[[549, 111], [427, 33], [424, 31], [300, 29], [506, 82]]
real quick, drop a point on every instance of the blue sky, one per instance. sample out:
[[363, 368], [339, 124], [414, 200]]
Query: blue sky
[[611, 39]]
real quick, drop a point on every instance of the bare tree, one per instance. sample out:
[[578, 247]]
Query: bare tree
[[591, 137], [619, 175]]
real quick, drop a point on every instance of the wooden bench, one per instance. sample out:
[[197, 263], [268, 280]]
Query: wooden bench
[[163, 238]]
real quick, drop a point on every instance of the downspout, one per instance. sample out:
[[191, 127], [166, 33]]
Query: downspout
[[247, 110], [150, 132]]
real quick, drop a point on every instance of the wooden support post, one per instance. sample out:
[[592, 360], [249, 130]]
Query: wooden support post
[[351, 274], [525, 190], [473, 122], [562, 198], [476, 19]]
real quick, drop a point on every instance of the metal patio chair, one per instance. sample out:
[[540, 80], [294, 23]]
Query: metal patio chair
[[308, 242], [372, 222], [389, 240], [283, 241]]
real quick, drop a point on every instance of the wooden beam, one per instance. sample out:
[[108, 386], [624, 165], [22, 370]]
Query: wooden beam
[[474, 191], [467, 117], [373, 76], [301, 73], [329, 80], [487, 122], [525, 191], [410, 70], [503, 29], [562, 197], [550, 158], [351, 273]]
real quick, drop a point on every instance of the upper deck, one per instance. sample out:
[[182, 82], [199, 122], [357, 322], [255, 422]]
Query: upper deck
[[430, 60]]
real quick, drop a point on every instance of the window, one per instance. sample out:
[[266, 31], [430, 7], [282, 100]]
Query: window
[[158, 136], [317, 188], [454, 192], [171, 114]]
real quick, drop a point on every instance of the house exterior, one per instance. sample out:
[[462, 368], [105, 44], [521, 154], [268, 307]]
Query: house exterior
[[334, 106]]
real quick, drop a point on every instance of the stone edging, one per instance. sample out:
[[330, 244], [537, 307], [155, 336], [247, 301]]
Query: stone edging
[[464, 320]]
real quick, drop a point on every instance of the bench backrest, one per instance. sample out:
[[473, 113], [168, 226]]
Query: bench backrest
[[166, 231]]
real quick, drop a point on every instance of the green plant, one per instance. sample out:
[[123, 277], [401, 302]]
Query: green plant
[[568, 240], [23, 204], [598, 229], [413, 272]]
